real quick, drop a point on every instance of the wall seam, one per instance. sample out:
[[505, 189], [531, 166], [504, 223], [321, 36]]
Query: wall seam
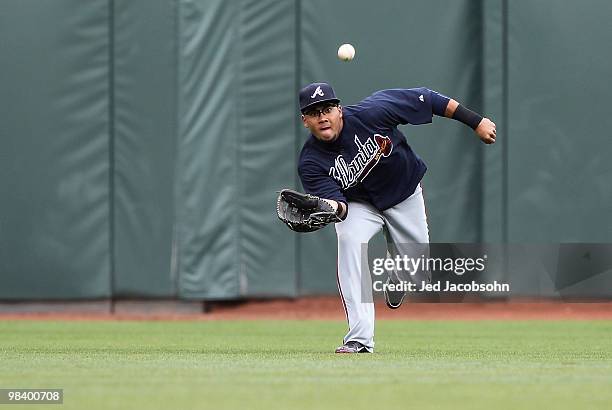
[[482, 103], [505, 126], [174, 255], [241, 274], [298, 70], [111, 148]]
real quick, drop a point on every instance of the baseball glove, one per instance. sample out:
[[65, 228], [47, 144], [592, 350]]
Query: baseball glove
[[304, 212]]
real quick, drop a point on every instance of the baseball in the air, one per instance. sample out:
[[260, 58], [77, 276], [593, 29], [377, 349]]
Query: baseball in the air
[[346, 52]]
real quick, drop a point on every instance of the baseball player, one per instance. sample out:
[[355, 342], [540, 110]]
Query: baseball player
[[362, 175]]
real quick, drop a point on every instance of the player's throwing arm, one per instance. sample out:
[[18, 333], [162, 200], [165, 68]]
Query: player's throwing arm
[[483, 127]]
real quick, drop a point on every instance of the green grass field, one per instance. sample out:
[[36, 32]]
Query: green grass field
[[290, 364]]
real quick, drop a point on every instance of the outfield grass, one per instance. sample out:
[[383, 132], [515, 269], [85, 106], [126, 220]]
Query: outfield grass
[[289, 364]]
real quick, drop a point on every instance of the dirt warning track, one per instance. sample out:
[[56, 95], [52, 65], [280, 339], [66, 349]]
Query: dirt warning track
[[315, 308]]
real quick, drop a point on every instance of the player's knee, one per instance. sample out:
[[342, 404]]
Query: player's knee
[[350, 239]]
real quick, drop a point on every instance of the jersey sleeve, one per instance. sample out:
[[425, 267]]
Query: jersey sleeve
[[317, 182], [400, 106]]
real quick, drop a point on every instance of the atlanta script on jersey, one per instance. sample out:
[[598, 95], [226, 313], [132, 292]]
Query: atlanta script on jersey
[[371, 160]]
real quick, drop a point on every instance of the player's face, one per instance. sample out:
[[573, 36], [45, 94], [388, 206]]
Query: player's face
[[324, 121]]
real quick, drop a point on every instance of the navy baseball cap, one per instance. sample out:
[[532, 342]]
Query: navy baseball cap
[[316, 93]]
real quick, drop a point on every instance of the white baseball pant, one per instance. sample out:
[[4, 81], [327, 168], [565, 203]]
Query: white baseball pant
[[404, 223]]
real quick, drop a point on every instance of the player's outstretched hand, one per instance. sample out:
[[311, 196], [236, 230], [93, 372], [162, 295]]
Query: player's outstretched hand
[[486, 131]]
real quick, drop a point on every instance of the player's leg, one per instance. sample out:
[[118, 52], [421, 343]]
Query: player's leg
[[407, 233], [360, 225]]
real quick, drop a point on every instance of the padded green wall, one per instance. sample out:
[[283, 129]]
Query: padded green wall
[[143, 142], [143, 159], [54, 134], [236, 148], [559, 129]]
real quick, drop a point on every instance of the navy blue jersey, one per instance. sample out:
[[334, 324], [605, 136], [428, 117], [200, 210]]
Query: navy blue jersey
[[370, 160]]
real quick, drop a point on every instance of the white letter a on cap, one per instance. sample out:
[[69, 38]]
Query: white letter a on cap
[[318, 91]]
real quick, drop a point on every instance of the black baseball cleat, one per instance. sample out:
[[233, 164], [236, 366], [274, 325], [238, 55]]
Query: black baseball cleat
[[352, 347], [394, 298]]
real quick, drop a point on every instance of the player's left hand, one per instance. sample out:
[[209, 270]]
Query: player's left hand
[[486, 131], [305, 213]]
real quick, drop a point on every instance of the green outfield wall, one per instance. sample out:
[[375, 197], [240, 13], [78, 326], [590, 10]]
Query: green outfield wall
[[142, 142]]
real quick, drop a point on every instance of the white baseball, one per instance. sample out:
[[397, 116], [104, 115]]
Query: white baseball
[[346, 52]]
